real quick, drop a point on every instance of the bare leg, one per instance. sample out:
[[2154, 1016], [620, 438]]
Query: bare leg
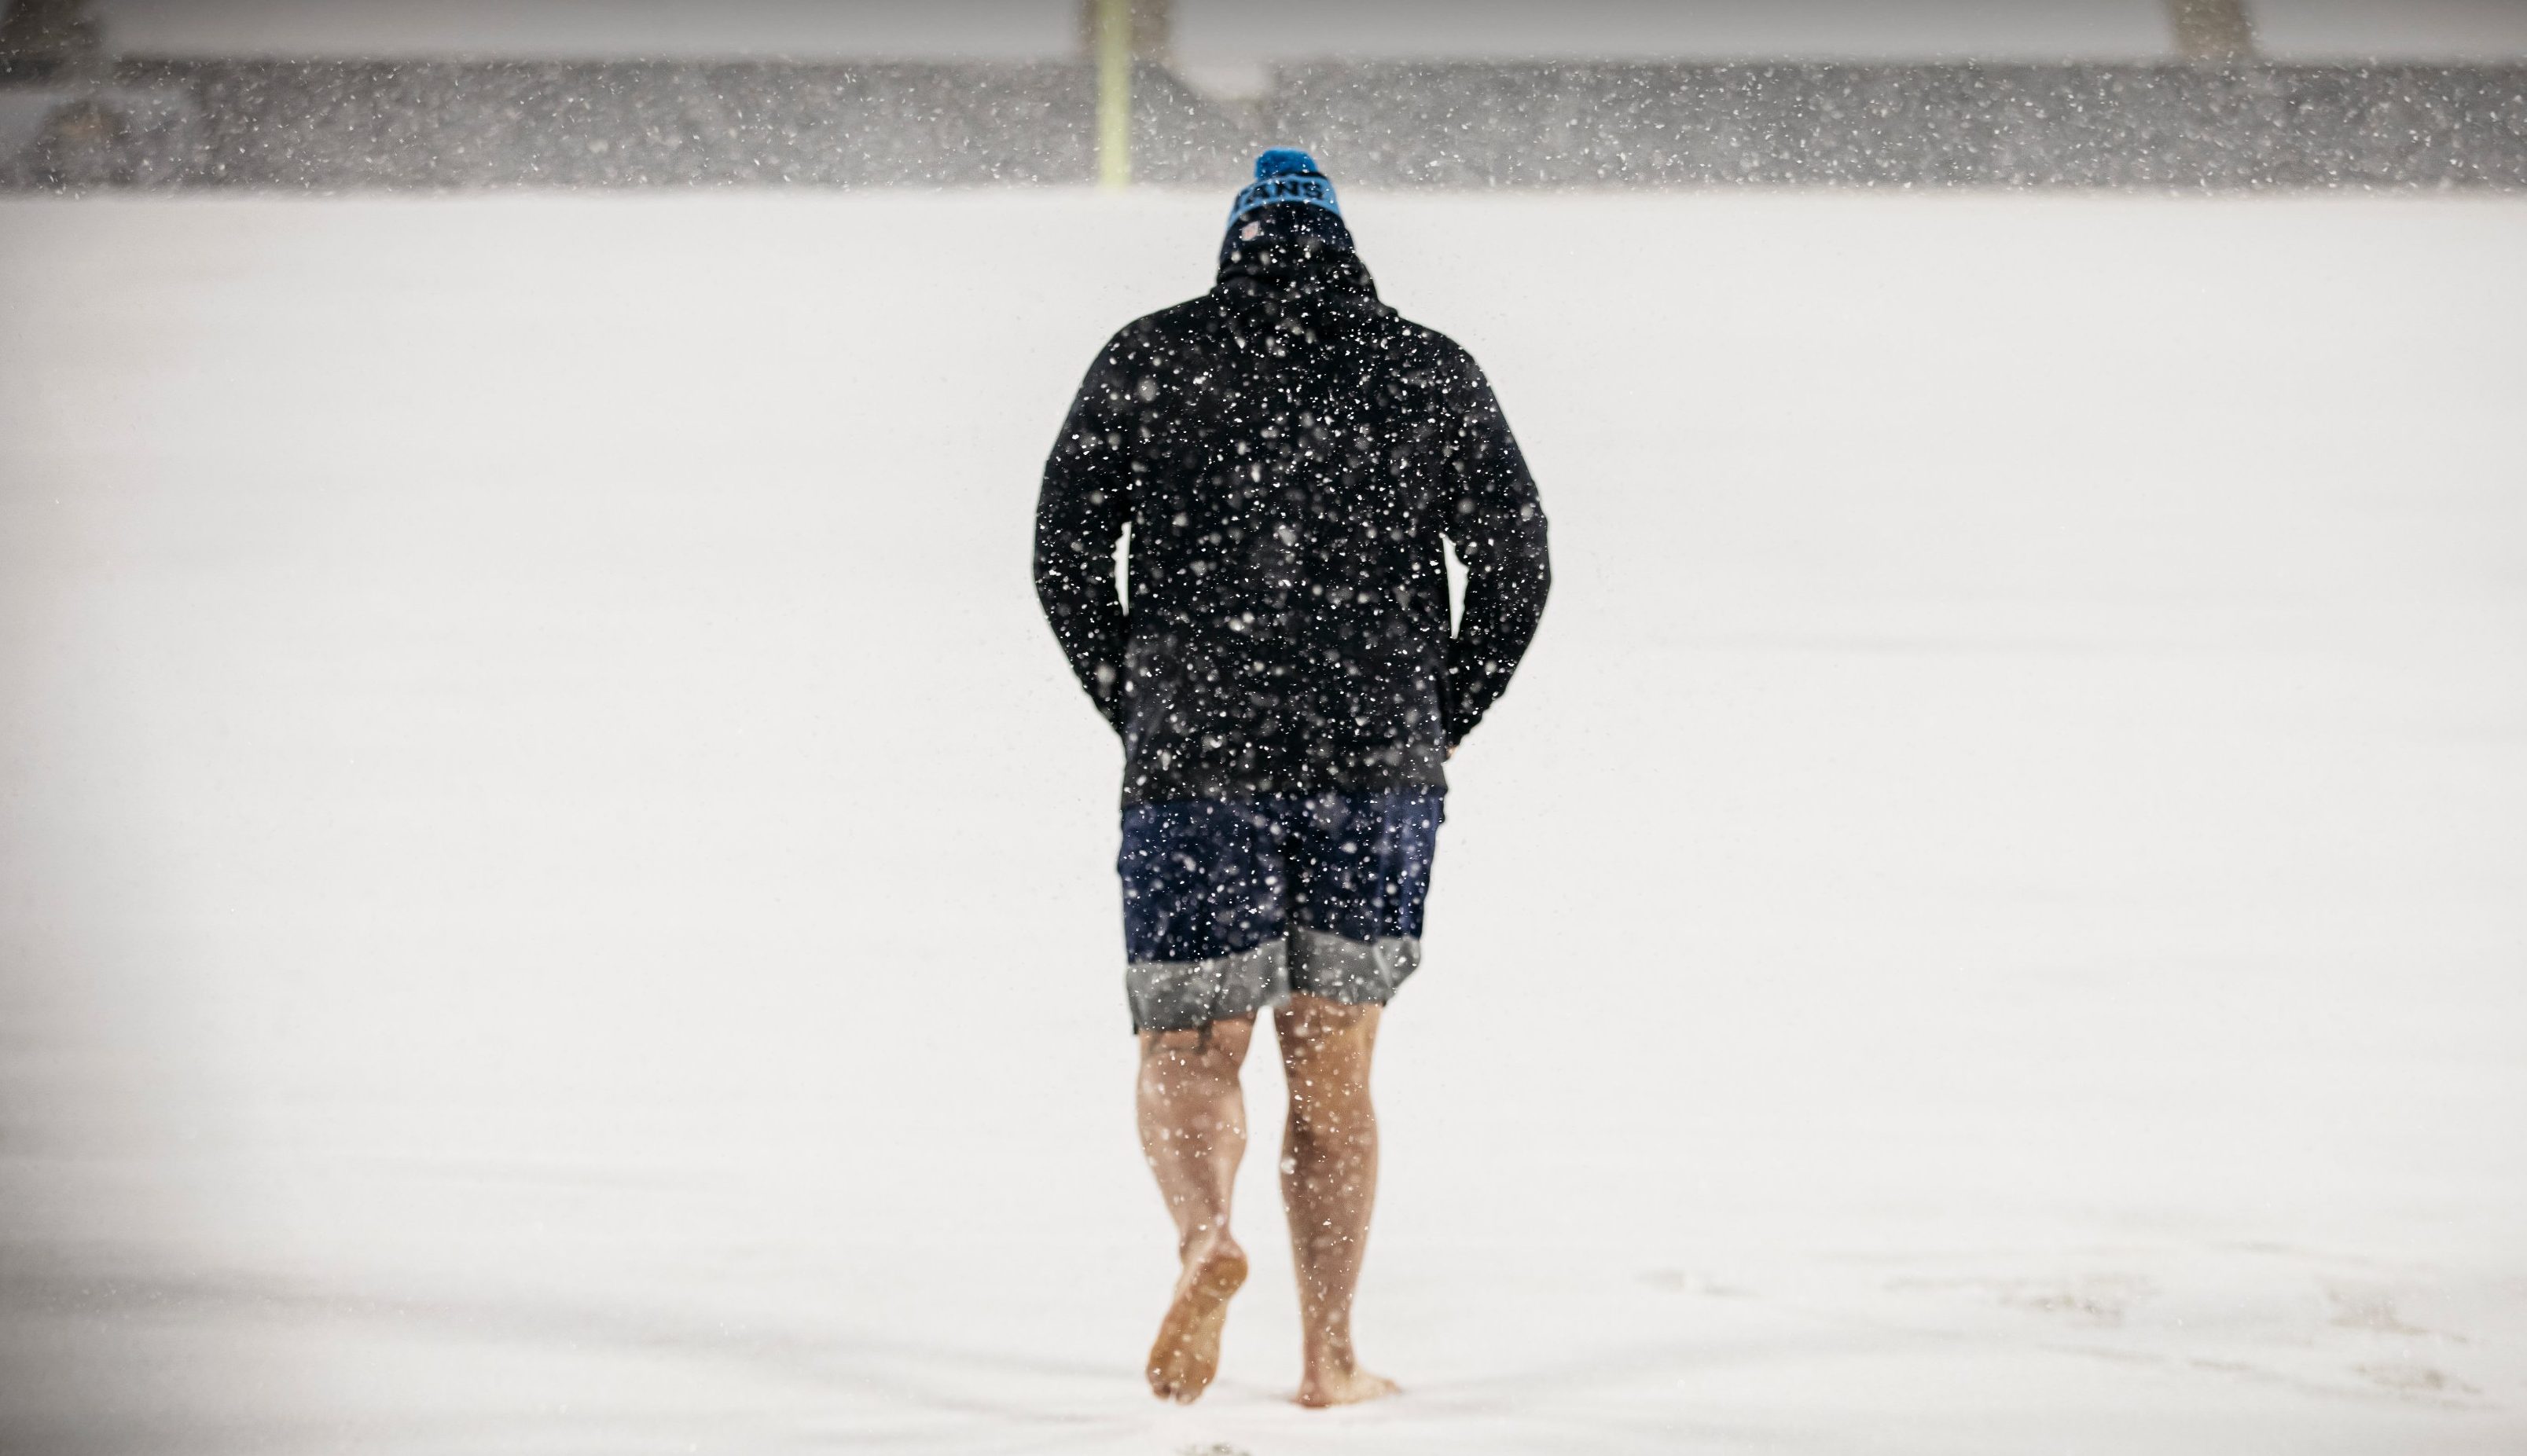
[[1329, 1185], [1193, 1132]]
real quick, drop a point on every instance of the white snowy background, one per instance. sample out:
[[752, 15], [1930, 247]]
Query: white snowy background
[[555, 892]]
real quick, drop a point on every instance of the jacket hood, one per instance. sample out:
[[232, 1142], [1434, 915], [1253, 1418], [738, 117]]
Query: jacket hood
[[1296, 254]]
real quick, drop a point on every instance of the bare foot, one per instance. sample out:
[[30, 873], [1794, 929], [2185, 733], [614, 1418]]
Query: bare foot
[[1319, 1389], [1186, 1354]]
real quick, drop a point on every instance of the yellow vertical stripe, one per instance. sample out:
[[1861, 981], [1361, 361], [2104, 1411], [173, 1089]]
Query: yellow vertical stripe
[[1114, 94]]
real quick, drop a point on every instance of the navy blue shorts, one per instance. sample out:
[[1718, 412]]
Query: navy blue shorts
[[1230, 905]]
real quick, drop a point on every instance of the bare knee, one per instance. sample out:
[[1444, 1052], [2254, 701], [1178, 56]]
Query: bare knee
[[1213, 1049], [1316, 1030], [1325, 1052]]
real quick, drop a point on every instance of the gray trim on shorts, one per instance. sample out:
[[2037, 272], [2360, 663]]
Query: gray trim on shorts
[[1361, 973], [1183, 995]]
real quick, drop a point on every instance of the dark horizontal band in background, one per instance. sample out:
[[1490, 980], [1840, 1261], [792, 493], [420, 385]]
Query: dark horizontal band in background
[[350, 126]]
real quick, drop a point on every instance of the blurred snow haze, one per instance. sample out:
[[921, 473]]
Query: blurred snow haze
[[558, 894]]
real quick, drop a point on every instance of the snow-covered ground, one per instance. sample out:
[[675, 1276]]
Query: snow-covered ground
[[555, 893]]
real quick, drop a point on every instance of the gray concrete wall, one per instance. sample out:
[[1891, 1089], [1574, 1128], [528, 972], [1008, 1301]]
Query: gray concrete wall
[[324, 124], [1239, 33]]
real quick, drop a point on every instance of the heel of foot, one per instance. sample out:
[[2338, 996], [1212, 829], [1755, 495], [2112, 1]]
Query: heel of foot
[[1221, 1277]]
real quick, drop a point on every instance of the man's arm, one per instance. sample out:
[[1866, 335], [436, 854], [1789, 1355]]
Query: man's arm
[[1497, 523], [1079, 516]]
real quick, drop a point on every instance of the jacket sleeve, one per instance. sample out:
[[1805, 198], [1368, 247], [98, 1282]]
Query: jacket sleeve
[[1497, 523], [1079, 516]]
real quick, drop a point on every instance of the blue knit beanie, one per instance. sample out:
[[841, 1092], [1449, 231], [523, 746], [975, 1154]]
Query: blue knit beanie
[[1289, 204], [1285, 175]]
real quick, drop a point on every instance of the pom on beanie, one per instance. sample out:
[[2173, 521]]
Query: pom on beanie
[[1284, 161]]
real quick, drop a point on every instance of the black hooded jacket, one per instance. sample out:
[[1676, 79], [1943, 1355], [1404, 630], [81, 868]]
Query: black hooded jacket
[[1287, 453]]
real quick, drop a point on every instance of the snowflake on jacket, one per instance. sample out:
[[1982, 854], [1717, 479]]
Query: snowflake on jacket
[[1287, 454]]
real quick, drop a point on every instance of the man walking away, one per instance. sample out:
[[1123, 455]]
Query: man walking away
[[1290, 458]]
